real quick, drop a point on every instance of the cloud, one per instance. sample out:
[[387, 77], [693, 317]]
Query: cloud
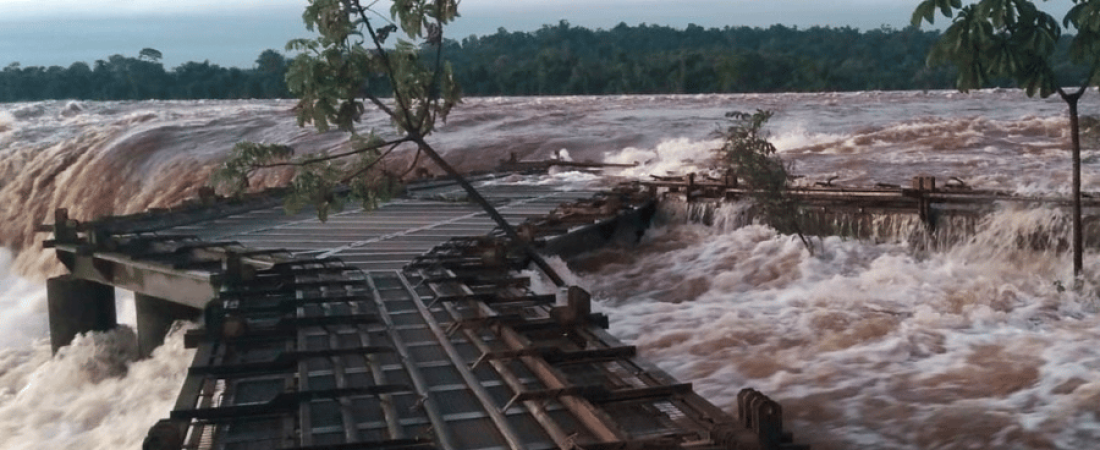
[[37, 9], [228, 39]]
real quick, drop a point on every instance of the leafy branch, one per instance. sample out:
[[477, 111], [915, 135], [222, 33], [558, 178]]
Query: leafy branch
[[331, 76], [747, 155], [1017, 40]]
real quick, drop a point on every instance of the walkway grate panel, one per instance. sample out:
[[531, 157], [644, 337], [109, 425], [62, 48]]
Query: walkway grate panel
[[381, 329]]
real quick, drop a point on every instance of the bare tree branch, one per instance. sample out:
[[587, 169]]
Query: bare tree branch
[[403, 104], [369, 166], [320, 159], [416, 160]]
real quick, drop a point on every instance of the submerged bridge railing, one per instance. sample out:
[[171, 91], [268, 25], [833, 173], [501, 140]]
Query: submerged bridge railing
[[455, 350], [948, 213], [922, 196]]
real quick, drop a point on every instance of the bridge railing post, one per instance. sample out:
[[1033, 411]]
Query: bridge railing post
[[923, 185]]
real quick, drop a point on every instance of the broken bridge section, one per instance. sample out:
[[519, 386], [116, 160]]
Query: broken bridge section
[[411, 326]]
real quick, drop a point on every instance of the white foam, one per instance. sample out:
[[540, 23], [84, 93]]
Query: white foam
[[72, 108], [561, 178], [671, 156], [795, 135], [23, 302], [7, 121], [864, 343], [92, 395]]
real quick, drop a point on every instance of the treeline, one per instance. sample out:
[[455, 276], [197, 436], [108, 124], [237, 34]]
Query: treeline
[[144, 77], [563, 60]]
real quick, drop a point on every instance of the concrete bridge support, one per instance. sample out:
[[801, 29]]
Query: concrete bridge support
[[154, 319], [78, 306]]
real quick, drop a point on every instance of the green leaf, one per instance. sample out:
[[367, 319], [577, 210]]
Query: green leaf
[[926, 10], [330, 76], [945, 7]]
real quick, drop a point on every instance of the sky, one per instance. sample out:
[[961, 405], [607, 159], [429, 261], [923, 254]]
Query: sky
[[233, 33]]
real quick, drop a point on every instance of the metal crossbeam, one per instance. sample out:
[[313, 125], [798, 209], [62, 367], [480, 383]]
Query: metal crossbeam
[[286, 361], [319, 354], [282, 403]]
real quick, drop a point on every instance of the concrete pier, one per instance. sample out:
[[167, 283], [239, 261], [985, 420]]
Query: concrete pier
[[155, 317], [78, 306]]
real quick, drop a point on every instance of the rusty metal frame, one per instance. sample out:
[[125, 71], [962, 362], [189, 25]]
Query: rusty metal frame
[[267, 295]]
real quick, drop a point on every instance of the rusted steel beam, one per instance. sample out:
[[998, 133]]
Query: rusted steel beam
[[496, 298], [510, 434], [283, 402], [556, 355], [596, 421], [700, 418], [561, 363], [388, 444], [700, 414], [601, 394], [284, 362], [537, 409], [442, 434]]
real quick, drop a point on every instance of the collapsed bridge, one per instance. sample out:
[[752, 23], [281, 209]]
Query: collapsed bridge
[[417, 325], [412, 326]]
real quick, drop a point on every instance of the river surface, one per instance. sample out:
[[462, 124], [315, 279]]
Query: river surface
[[865, 344]]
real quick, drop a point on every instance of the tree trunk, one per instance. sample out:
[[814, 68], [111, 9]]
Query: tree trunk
[[493, 213], [1075, 136]]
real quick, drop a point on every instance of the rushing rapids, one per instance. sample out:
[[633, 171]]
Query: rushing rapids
[[866, 343]]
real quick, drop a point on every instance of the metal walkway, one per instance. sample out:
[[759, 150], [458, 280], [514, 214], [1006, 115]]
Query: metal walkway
[[387, 329], [388, 237]]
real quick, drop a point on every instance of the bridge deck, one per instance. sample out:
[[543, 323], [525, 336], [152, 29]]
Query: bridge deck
[[386, 238], [387, 329]]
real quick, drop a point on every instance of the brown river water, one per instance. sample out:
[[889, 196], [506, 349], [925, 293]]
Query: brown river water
[[866, 344]]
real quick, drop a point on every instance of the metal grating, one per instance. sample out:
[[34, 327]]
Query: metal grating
[[381, 329]]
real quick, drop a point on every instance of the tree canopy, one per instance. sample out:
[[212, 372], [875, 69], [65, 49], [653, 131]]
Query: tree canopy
[[563, 59], [1015, 39], [746, 155], [553, 60], [150, 54], [142, 78], [649, 59], [332, 78]]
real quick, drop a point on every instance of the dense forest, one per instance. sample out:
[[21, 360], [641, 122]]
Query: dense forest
[[562, 59], [144, 77], [556, 60]]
